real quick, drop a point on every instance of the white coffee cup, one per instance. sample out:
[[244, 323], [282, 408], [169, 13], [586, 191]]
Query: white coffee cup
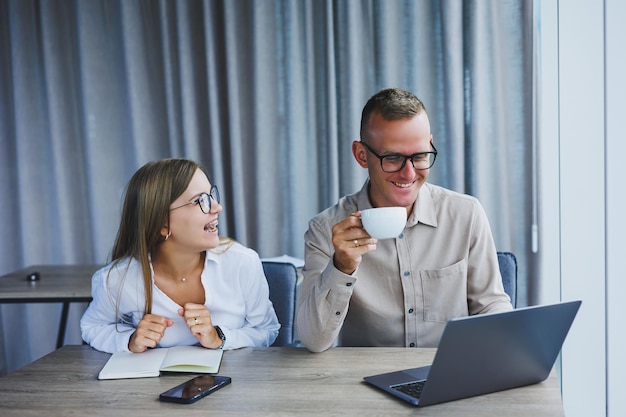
[[384, 222]]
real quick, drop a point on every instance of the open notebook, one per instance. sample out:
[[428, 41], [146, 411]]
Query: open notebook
[[151, 362]]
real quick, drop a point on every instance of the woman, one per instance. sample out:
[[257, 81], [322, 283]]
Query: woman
[[173, 280]]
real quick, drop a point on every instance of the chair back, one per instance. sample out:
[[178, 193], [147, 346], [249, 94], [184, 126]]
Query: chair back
[[508, 269], [282, 279]]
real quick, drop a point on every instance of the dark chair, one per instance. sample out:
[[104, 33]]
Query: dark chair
[[508, 270], [282, 279]]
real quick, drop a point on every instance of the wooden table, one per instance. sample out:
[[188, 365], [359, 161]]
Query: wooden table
[[273, 381], [57, 284]]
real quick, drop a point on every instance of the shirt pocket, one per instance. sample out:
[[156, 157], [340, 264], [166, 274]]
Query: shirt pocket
[[445, 292]]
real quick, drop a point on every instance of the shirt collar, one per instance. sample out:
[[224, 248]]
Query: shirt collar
[[362, 199], [211, 257], [423, 209]]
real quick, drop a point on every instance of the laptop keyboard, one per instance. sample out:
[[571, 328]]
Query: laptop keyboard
[[414, 388]]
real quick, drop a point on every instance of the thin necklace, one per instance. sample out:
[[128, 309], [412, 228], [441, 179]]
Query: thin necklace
[[183, 279]]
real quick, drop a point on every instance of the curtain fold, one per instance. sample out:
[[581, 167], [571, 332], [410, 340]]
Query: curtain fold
[[266, 94]]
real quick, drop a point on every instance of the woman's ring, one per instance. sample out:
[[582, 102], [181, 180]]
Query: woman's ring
[[195, 321], [356, 243]]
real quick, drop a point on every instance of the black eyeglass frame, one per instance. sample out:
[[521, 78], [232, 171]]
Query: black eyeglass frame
[[406, 157], [213, 194]]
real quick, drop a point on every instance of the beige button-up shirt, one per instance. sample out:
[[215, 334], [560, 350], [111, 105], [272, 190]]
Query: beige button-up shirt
[[443, 265]]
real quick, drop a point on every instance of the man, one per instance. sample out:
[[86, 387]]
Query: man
[[358, 291]]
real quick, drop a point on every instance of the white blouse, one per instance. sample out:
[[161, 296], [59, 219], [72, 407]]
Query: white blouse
[[236, 294]]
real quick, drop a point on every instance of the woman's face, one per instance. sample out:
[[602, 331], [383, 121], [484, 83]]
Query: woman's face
[[191, 229]]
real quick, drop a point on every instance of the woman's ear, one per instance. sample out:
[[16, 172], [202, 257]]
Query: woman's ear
[[165, 232], [360, 153]]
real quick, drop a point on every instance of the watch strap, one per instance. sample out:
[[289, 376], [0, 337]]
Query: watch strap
[[220, 333]]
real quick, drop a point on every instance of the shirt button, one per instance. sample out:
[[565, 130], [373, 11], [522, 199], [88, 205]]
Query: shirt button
[[411, 344], [401, 236], [338, 313], [410, 310], [407, 273], [348, 284]]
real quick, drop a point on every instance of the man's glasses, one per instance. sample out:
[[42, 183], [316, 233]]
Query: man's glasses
[[204, 201], [396, 162]]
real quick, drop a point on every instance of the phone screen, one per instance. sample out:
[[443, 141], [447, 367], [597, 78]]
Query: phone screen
[[194, 389]]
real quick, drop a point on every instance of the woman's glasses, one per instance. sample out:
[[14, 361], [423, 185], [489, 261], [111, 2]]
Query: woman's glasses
[[204, 201]]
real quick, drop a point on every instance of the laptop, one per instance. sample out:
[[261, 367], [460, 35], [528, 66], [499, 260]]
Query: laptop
[[485, 353]]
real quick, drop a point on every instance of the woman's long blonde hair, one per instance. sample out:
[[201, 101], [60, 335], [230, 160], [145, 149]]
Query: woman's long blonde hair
[[149, 194]]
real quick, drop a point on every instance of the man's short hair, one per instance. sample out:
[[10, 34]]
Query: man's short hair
[[391, 104]]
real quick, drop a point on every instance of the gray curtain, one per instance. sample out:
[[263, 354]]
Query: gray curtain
[[266, 94]]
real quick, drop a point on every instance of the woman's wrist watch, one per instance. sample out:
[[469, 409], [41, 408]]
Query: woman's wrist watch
[[220, 333]]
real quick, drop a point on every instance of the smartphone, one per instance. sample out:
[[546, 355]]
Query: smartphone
[[194, 389]]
